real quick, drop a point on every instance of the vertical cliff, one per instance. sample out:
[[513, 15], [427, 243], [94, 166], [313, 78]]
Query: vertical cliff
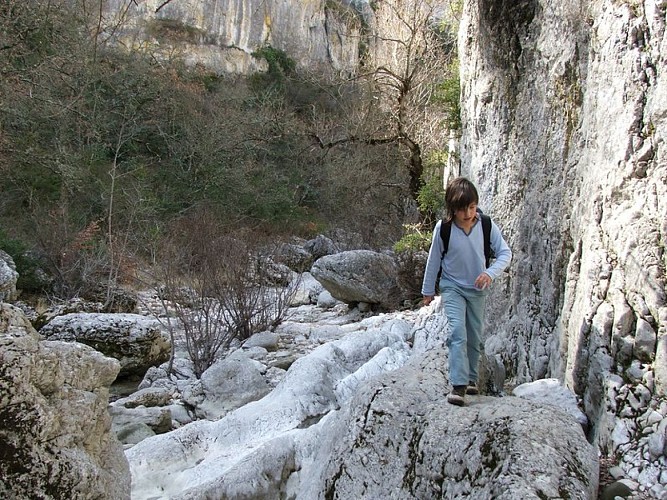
[[222, 34], [564, 110]]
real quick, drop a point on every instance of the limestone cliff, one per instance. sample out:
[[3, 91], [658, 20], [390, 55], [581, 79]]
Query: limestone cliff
[[564, 108], [222, 34]]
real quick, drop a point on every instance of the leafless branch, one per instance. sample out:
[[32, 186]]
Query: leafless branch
[[163, 4]]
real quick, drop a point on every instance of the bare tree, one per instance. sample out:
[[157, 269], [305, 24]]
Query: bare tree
[[220, 287], [408, 56]]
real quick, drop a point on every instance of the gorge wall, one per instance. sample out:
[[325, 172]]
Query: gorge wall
[[221, 35], [564, 106]]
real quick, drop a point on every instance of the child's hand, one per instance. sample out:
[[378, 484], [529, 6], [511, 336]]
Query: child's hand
[[427, 299], [483, 281]]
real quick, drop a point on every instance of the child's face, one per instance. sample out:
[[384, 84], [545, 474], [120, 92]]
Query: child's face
[[466, 216]]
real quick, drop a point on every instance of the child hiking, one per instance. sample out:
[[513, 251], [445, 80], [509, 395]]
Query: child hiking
[[461, 250]]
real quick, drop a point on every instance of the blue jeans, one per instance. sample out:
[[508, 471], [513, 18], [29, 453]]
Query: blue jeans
[[465, 312]]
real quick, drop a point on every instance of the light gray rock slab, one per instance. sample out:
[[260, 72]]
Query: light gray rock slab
[[399, 438], [150, 396], [138, 342], [254, 448], [326, 301], [552, 391], [267, 340], [158, 419]]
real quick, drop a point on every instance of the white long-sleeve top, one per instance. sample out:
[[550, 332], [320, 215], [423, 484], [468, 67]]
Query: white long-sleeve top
[[464, 260]]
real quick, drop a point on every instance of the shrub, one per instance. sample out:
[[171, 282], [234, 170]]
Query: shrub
[[448, 94], [30, 268], [220, 287], [414, 239]]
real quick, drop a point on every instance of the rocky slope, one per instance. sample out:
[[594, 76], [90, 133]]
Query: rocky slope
[[363, 415], [563, 110]]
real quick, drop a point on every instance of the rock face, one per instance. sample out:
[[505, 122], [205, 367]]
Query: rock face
[[55, 433], [223, 34], [137, 341], [564, 109]]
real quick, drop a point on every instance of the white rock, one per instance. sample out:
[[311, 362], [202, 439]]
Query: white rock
[[645, 341], [553, 392], [326, 301], [657, 445], [621, 434], [267, 340], [197, 456]]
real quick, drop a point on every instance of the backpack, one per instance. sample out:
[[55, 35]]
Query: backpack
[[446, 230]]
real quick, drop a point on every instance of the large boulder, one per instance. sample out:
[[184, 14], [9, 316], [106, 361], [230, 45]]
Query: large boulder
[[359, 276], [138, 342], [55, 432], [398, 438], [143, 414], [321, 246], [132, 425], [227, 385], [294, 256]]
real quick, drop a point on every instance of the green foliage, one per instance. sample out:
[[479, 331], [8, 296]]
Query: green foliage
[[28, 266], [92, 138], [448, 94], [431, 201], [431, 196], [414, 239], [281, 67]]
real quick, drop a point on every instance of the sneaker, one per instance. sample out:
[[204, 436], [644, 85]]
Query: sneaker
[[456, 397], [472, 389]]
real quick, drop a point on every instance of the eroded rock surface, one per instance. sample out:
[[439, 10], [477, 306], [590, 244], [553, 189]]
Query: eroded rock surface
[[137, 341], [55, 435], [398, 438]]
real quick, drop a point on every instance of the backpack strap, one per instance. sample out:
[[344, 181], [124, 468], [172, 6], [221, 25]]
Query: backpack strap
[[446, 231], [486, 229]]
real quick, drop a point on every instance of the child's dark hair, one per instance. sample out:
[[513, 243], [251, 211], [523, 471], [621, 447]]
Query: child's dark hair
[[460, 193]]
